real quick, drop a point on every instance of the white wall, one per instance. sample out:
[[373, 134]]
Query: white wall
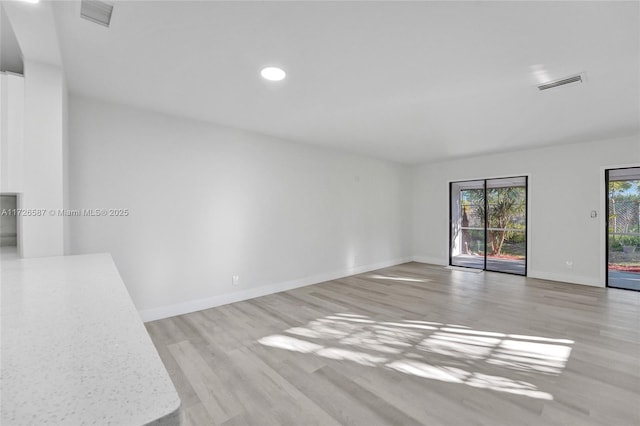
[[65, 166], [565, 184], [42, 186], [11, 132], [208, 202], [32, 136]]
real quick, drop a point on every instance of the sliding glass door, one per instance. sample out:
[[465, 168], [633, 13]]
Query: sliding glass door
[[489, 224], [623, 228]]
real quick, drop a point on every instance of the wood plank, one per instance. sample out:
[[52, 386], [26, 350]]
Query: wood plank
[[220, 405]]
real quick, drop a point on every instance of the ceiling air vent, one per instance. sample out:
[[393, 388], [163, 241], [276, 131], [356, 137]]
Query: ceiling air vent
[[561, 82], [96, 11]]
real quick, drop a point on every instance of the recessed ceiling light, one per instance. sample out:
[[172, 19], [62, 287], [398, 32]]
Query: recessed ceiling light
[[273, 73]]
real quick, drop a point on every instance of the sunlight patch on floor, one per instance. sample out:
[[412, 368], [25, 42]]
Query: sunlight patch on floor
[[430, 350], [405, 279]]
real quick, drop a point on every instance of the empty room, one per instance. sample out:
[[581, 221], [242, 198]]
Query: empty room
[[320, 212]]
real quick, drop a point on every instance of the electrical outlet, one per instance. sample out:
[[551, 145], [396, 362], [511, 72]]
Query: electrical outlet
[[235, 279], [569, 264]]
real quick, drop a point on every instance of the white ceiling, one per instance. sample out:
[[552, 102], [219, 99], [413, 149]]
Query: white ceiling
[[406, 81]]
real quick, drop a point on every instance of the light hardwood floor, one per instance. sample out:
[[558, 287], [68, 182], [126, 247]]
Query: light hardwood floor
[[407, 345]]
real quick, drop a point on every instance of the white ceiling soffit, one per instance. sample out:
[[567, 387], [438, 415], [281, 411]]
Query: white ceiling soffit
[[406, 81], [35, 30], [10, 54]]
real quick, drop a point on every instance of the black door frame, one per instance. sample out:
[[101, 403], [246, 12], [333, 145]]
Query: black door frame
[[606, 227]]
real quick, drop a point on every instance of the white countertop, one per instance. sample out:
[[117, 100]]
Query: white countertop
[[74, 350]]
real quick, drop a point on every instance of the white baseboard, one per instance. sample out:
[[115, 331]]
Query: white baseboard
[[590, 281], [153, 314], [431, 260], [250, 293], [573, 279]]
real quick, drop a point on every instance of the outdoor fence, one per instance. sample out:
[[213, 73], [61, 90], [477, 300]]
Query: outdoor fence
[[624, 229]]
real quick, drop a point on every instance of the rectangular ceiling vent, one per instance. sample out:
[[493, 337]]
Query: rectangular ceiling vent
[[561, 82], [96, 11]]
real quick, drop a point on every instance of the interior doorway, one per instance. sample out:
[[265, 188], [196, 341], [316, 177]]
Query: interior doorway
[[623, 228], [8, 220], [488, 224]]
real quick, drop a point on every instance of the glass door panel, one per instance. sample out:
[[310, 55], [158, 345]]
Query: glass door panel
[[467, 224], [507, 225], [623, 228]]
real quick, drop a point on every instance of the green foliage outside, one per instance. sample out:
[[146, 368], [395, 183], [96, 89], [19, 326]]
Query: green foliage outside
[[624, 190], [506, 210], [617, 243]]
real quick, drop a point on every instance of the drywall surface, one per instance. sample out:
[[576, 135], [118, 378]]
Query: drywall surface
[[565, 184], [205, 203], [65, 166], [42, 185], [11, 132]]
